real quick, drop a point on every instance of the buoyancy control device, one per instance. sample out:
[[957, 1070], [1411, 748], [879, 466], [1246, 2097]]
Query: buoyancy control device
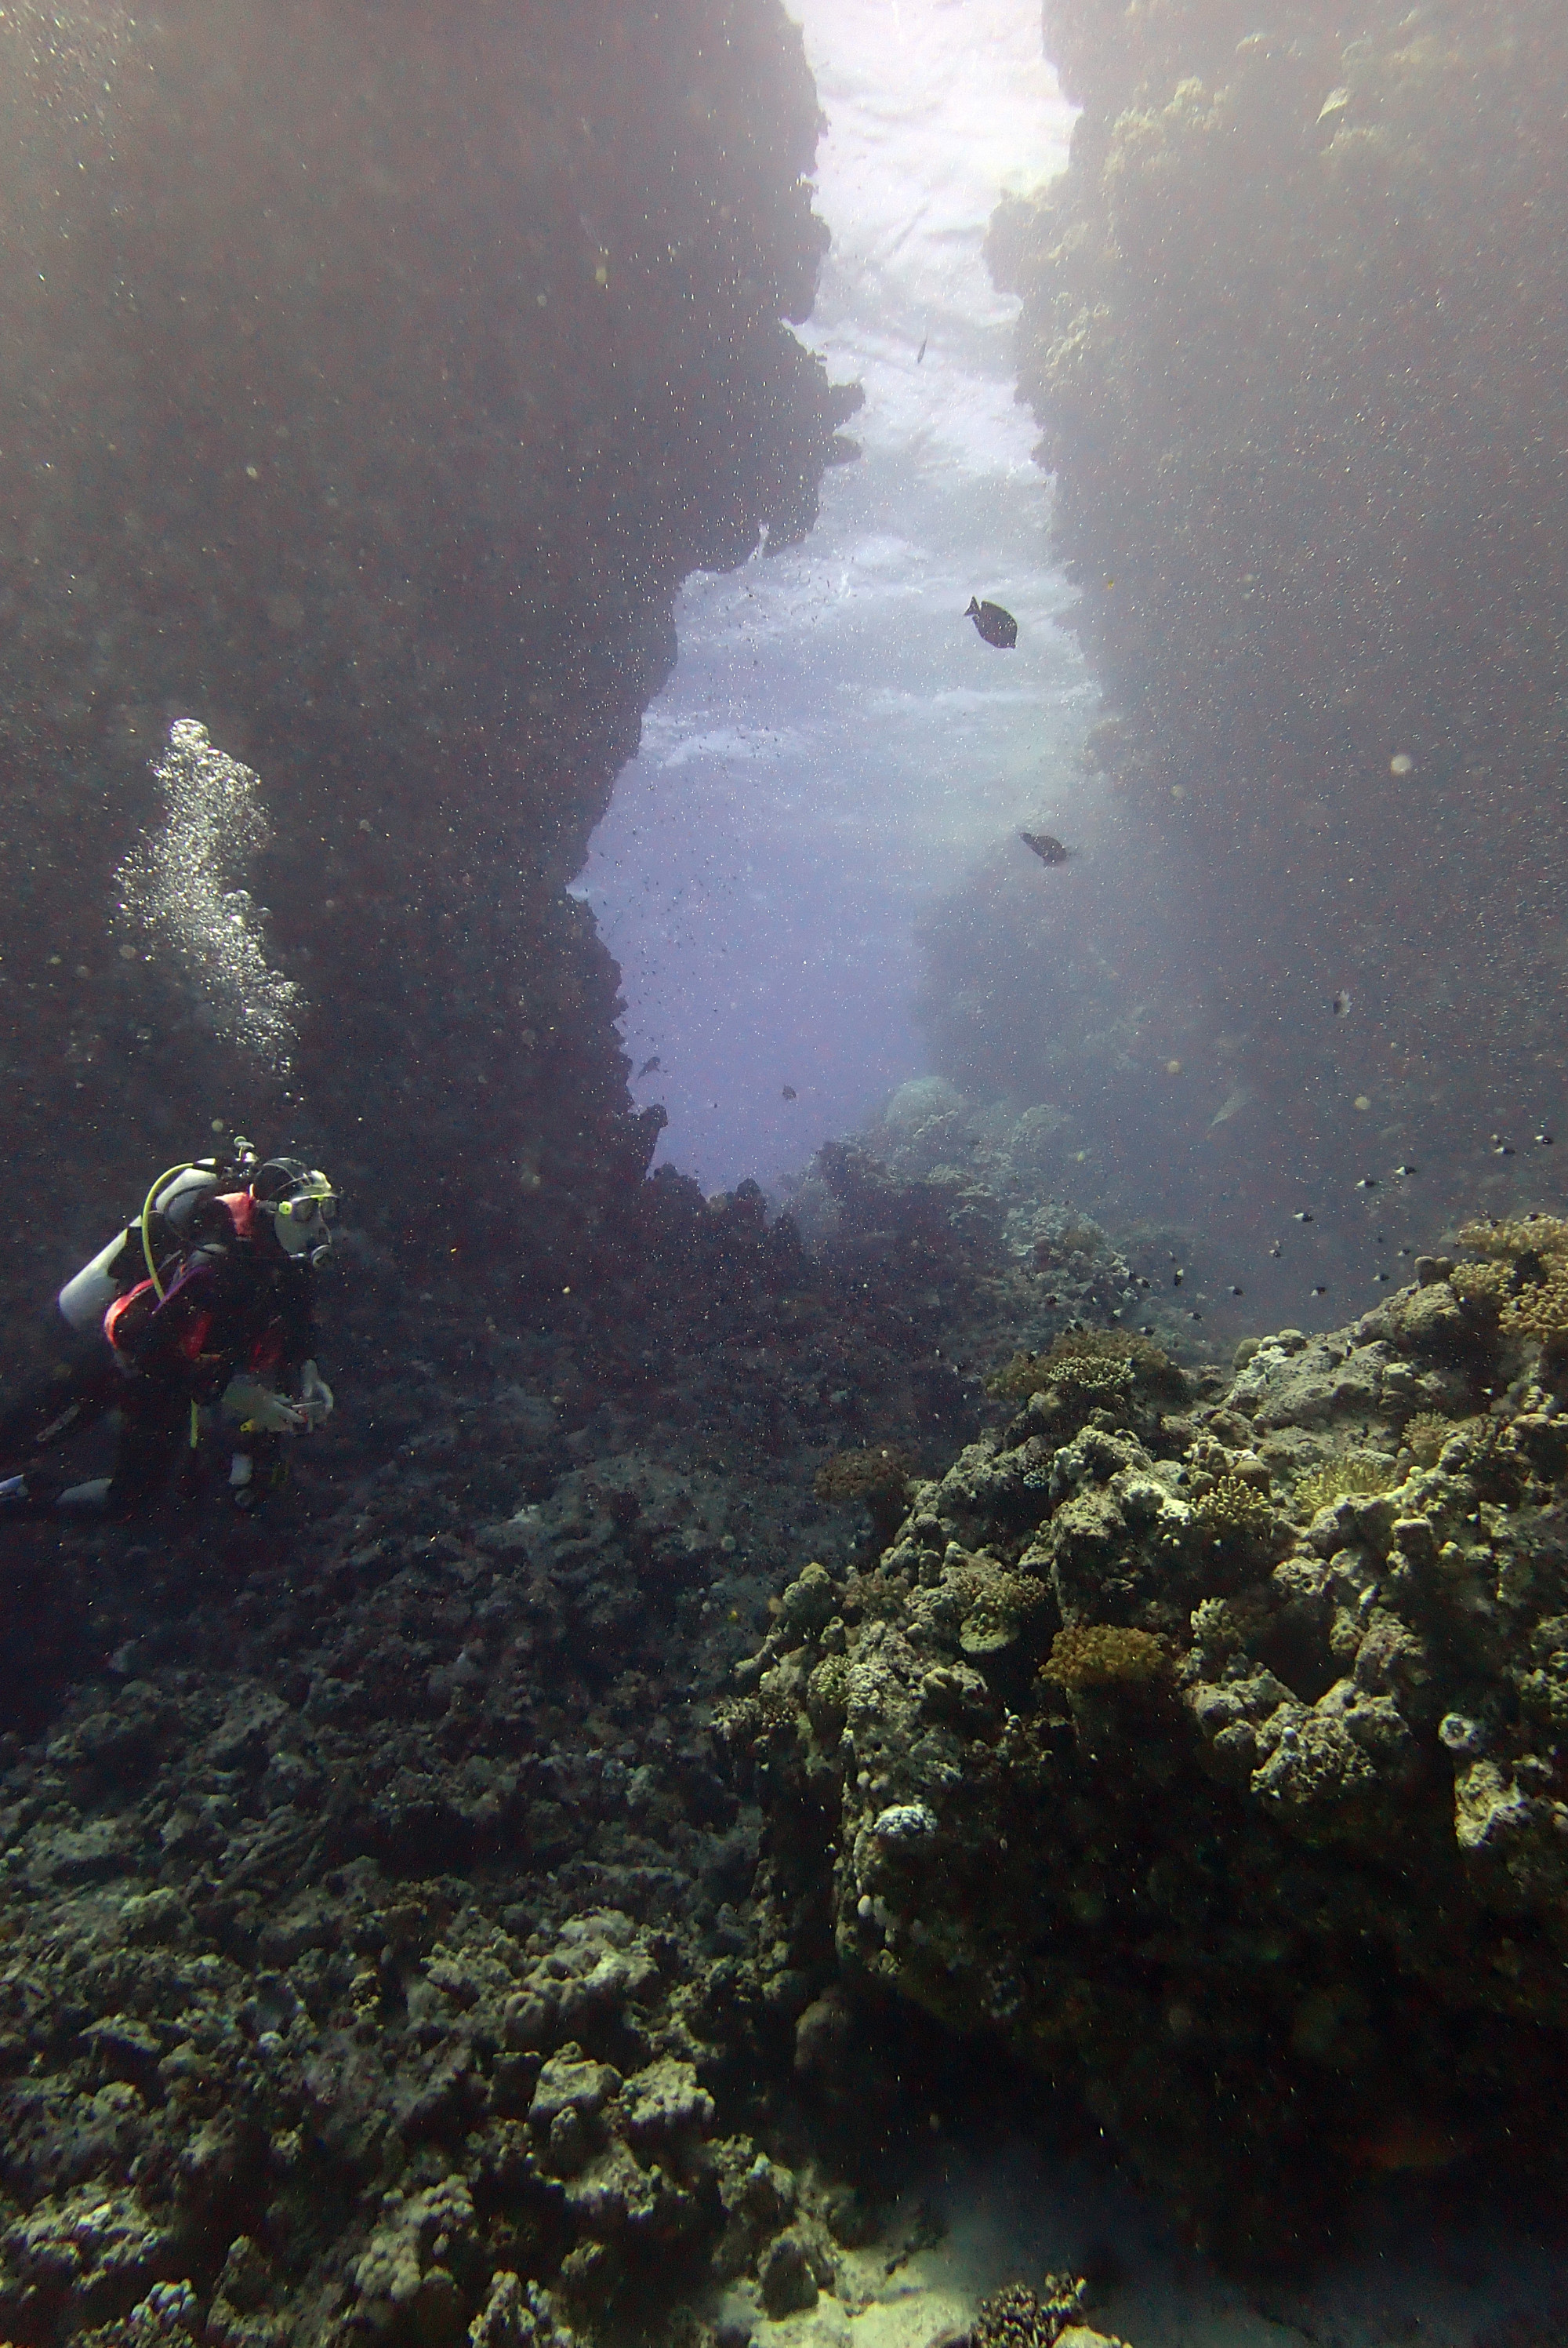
[[153, 1244]]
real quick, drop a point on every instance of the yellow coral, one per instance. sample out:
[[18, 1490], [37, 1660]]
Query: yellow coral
[[1233, 1509], [1524, 1235], [1540, 1310], [1353, 1471], [1104, 1655], [1480, 1284], [1118, 1354]]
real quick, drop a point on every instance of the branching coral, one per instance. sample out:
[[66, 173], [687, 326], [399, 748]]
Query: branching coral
[[1524, 1274], [1540, 1310], [1085, 1359], [876, 1477], [1105, 1655], [1336, 1479], [1234, 1510], [996, 1605], [1481, 1284], [1545, 1236]]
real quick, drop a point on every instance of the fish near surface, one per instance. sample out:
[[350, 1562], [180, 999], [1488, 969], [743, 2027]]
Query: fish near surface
[[1046, 846], [997, 626]]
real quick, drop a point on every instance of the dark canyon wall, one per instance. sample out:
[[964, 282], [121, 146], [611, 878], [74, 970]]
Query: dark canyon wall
[[370, 378], [1292, 326]]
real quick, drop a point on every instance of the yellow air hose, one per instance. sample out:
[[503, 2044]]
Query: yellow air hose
[[167, 1176]]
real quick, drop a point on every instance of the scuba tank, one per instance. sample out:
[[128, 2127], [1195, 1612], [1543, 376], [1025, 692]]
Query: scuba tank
[[154, 1241]]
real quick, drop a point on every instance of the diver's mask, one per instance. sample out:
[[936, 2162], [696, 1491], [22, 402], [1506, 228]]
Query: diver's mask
[[302, 1219]]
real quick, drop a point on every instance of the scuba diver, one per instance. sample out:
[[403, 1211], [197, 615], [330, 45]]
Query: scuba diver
[[206, 1303]]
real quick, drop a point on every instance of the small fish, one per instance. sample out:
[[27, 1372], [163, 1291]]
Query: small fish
[[1500, 1148], [1177, 1279], [1321, 1289], [1195, 1316], [790, 1092], [1382, 1276], [1342, 1004], [997, 626], [1231, 1105], [1301, 1215], [1050, 850], [1545, 1140], [1235, 1291], [1403, 1170], [921, 352], [648, 1067], [1276, 1249], [1366, 1182]]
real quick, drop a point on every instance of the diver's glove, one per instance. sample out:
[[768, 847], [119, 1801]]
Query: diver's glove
[[315, 1397], [254, 1404]]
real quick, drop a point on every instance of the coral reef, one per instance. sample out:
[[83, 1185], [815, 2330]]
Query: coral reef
[[1252, 1831]]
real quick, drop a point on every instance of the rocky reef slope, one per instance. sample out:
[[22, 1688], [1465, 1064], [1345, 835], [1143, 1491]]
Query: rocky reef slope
[[371, 380]]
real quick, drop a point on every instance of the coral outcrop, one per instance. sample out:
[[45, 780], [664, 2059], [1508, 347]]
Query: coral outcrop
[[1211, 1758]]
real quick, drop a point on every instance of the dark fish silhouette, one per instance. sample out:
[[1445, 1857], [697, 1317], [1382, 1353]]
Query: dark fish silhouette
[[997, 626], [1048, 850], [649, 1066], [789, 1092], [1342, 1004], [921, 352]]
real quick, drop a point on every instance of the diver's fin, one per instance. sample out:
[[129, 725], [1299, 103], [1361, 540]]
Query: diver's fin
[[90, 1494]]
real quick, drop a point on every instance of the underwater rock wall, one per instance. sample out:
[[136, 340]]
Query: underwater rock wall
[[369, 381], [1283, 329]]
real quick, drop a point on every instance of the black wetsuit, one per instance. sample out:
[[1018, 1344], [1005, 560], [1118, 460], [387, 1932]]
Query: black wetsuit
[[238, 1307]]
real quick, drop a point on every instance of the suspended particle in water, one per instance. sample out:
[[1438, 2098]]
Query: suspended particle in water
[[1401, 763]]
